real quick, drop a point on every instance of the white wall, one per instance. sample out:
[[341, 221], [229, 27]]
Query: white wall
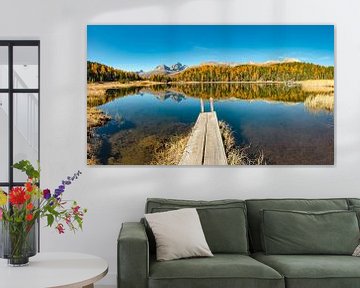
[[117, 194]]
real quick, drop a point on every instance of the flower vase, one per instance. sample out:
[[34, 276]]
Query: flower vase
[[18, 242]]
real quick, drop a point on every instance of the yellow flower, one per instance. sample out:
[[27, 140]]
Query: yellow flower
[[3, 198]]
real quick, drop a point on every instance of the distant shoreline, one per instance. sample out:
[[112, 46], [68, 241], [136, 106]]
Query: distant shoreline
[[310, 82]]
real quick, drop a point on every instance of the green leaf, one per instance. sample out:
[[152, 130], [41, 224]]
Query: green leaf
[[26, 167], [50, 219]]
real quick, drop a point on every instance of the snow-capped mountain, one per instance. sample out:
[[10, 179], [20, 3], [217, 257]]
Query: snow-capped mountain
[[164, 69]]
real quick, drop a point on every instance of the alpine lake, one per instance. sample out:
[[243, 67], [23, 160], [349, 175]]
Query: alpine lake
[[268, 117]]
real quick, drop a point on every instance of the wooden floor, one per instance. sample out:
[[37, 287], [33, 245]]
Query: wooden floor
[[205, 146]]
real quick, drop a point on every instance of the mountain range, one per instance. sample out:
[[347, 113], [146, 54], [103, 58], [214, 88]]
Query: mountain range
[[178, 67], [164, 70]]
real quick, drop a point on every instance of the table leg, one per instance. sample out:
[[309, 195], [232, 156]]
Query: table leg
[[89, 286]]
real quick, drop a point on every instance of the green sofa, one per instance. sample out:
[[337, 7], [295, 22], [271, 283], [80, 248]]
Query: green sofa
[[233, 231]]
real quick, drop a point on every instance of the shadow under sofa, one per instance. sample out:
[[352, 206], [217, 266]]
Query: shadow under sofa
[[232, 229]]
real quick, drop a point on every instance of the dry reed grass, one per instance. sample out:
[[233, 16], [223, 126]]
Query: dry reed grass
[[320, 102], [170, 152], [96, 117], [318, 86], [238, 155]]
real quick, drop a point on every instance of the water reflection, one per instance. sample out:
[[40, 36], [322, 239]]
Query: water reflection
[[245, 91], [271, 117]]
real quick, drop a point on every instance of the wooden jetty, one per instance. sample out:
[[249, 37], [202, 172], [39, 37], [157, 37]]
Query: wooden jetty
[[205, 145]]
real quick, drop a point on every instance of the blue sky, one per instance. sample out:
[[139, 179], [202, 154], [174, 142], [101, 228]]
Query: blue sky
[[136, 47]]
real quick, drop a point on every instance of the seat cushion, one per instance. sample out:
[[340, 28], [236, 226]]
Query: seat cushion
[[255, 206], [315, 271], [223, 221], [222, 270]]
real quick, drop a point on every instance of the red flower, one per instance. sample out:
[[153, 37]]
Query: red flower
[[29, 217], [29, 186], [29, 206], [75, 209], [17, 196], [68, 219], [27, 196], [60, 228]]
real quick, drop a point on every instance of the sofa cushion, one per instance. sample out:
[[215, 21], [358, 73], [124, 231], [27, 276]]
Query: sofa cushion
[[178, 234], [356, 209], [354, 205], [314, 271], [297, 232], [224, 222], [353, 201], [222, 270], [255, 206]]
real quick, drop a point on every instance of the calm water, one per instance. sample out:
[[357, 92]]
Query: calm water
[[272, 118]]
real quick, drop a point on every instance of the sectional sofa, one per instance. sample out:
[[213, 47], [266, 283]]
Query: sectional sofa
[[262, 243]]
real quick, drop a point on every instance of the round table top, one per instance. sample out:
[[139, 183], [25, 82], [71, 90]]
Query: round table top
[[68, 270]]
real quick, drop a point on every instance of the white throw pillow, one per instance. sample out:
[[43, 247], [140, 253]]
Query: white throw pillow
[[178, 234], [357, 251]]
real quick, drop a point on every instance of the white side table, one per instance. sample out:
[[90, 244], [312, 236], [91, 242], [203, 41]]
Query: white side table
[[50, 270]]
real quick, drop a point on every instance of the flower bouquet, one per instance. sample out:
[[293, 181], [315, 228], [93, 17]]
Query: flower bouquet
[[21, 208]]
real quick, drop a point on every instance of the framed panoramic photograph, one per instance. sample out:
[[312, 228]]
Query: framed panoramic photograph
[[210, 95]]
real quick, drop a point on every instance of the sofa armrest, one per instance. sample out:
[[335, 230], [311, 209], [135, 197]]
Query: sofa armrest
[[133, 256]]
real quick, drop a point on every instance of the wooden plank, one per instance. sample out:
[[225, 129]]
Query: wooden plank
[[205, 145], [211, 104], [194, 150], [214, 153]]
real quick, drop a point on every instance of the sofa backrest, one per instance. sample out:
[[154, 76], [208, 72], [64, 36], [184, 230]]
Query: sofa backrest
[[353, 202], [256, 205], [223, 221]]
